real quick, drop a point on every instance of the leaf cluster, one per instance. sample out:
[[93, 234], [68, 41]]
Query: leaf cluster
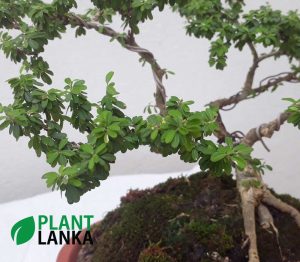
[[40, 115]]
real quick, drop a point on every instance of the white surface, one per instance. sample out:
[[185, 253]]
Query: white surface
[[92, 56], [97, 202]]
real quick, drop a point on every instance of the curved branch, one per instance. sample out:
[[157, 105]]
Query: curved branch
[[129, 43], [264, 130], [222, 132], [274, 53], [247, 90], [272, 81], [251, 73]]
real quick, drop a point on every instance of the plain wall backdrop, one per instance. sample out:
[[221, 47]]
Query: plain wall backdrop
[[90, 57]]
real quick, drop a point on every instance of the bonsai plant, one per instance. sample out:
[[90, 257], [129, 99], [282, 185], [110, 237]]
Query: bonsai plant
[[172, 128]]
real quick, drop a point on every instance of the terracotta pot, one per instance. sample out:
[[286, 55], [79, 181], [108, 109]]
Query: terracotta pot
[[69, 252]]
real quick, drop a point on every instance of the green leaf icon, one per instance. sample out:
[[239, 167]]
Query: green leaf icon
[[23, 230]]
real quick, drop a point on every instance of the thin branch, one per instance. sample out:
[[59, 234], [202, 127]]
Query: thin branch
[[222, 132], [240, 96], [251, 73], [253, 51], [274, 80], [264, 130], [274, 53], [247, 90], [129, 43]]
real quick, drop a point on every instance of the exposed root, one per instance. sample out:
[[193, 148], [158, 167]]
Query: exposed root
[[267, 223], [271, 200], [249, 196], [248, 209], [265, 217], [255, 197], [245, 243]]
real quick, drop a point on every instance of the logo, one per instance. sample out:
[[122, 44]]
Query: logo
[[65, 230]]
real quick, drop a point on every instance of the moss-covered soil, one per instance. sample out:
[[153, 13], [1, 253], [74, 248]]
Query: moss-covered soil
[[187, 219]]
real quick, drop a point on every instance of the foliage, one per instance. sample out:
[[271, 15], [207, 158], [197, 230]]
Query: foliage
[[294, 111], [41, 115], [224, 24]]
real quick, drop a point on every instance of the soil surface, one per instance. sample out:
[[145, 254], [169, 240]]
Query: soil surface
[[187, 219]]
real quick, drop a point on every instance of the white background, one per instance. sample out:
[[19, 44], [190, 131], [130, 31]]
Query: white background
[[92, 56]]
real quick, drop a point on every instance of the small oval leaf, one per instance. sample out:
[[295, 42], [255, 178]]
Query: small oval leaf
[[23, 230]]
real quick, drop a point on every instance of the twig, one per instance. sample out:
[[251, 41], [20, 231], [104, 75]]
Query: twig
[[247, 91]]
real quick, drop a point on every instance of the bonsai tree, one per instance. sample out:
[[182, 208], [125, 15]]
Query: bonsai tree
[[173, 128]]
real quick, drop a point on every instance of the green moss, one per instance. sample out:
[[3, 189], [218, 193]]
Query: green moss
[[251, 183], [190, 218], [149, 210], [140, 222], [212, 235]]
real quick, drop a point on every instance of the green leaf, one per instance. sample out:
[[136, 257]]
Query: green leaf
[[114, 127], [80, 31], [16, 131], [154, 134], [169, 136], [68, 153], [51, 178], [62, 143], [72, 194], [100, 149], [112, 134], [4, 125], [106, 138], [33, 44], [91, 164], [52, 156], [77, 89], [68, 81], [240, 162], [228, 141], [70, 171], [195, 154], [243, 149], [46, 78], [87, 148], [75, 182], [111, 90], [217, 156], [109, 77], [175, 113], [176, 141], [23, 230], [109, 157]]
